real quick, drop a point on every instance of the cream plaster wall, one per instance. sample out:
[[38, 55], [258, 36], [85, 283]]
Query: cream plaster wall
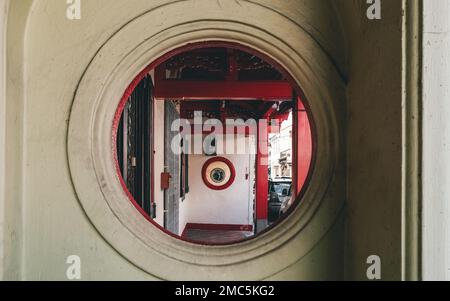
[[12, 226], [3, 17], [374, 138], [48, 55]]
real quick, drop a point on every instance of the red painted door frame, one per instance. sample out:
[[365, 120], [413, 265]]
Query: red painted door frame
[[302, 156]]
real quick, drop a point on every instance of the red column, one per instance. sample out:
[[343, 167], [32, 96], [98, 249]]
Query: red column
[[302, 146], [262, 175]]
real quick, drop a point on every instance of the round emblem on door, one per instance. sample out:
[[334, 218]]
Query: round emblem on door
[[218, 173]]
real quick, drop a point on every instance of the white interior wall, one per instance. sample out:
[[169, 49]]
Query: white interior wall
[[203, 205], [436, 141], [230, 206], [159, 160], [183, 211]]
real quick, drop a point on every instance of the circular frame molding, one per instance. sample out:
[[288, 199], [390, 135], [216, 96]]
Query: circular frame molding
[[91, 152], [231, 168]]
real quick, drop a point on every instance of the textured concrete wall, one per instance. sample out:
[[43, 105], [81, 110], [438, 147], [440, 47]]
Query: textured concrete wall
[[3, 17], [374, 138], [45, 222], [12, 226], [54, 224]]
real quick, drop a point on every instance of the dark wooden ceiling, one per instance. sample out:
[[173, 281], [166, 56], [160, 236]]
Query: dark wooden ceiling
[[223, 65]]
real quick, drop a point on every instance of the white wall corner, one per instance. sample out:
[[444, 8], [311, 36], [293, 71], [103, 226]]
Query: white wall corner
[[436, 141]]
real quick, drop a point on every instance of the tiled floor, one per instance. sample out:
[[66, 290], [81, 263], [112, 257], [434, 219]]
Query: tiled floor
[[216, 236]]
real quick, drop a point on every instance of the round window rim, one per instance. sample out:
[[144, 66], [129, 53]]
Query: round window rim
[[230, 180], [94, 176], [200, 45]]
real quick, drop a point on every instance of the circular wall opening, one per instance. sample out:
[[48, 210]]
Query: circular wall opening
[[213, 143], [91, 151]]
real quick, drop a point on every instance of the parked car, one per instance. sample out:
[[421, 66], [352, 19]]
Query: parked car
[[280, 190]]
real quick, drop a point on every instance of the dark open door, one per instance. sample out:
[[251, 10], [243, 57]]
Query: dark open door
[[135, 145], [172, 166]]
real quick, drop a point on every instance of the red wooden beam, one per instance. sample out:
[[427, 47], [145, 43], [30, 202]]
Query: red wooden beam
[[231, 130], [232, 73], [222, 90]]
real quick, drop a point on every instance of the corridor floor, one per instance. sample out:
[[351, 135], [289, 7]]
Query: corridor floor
[[216, 236]]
